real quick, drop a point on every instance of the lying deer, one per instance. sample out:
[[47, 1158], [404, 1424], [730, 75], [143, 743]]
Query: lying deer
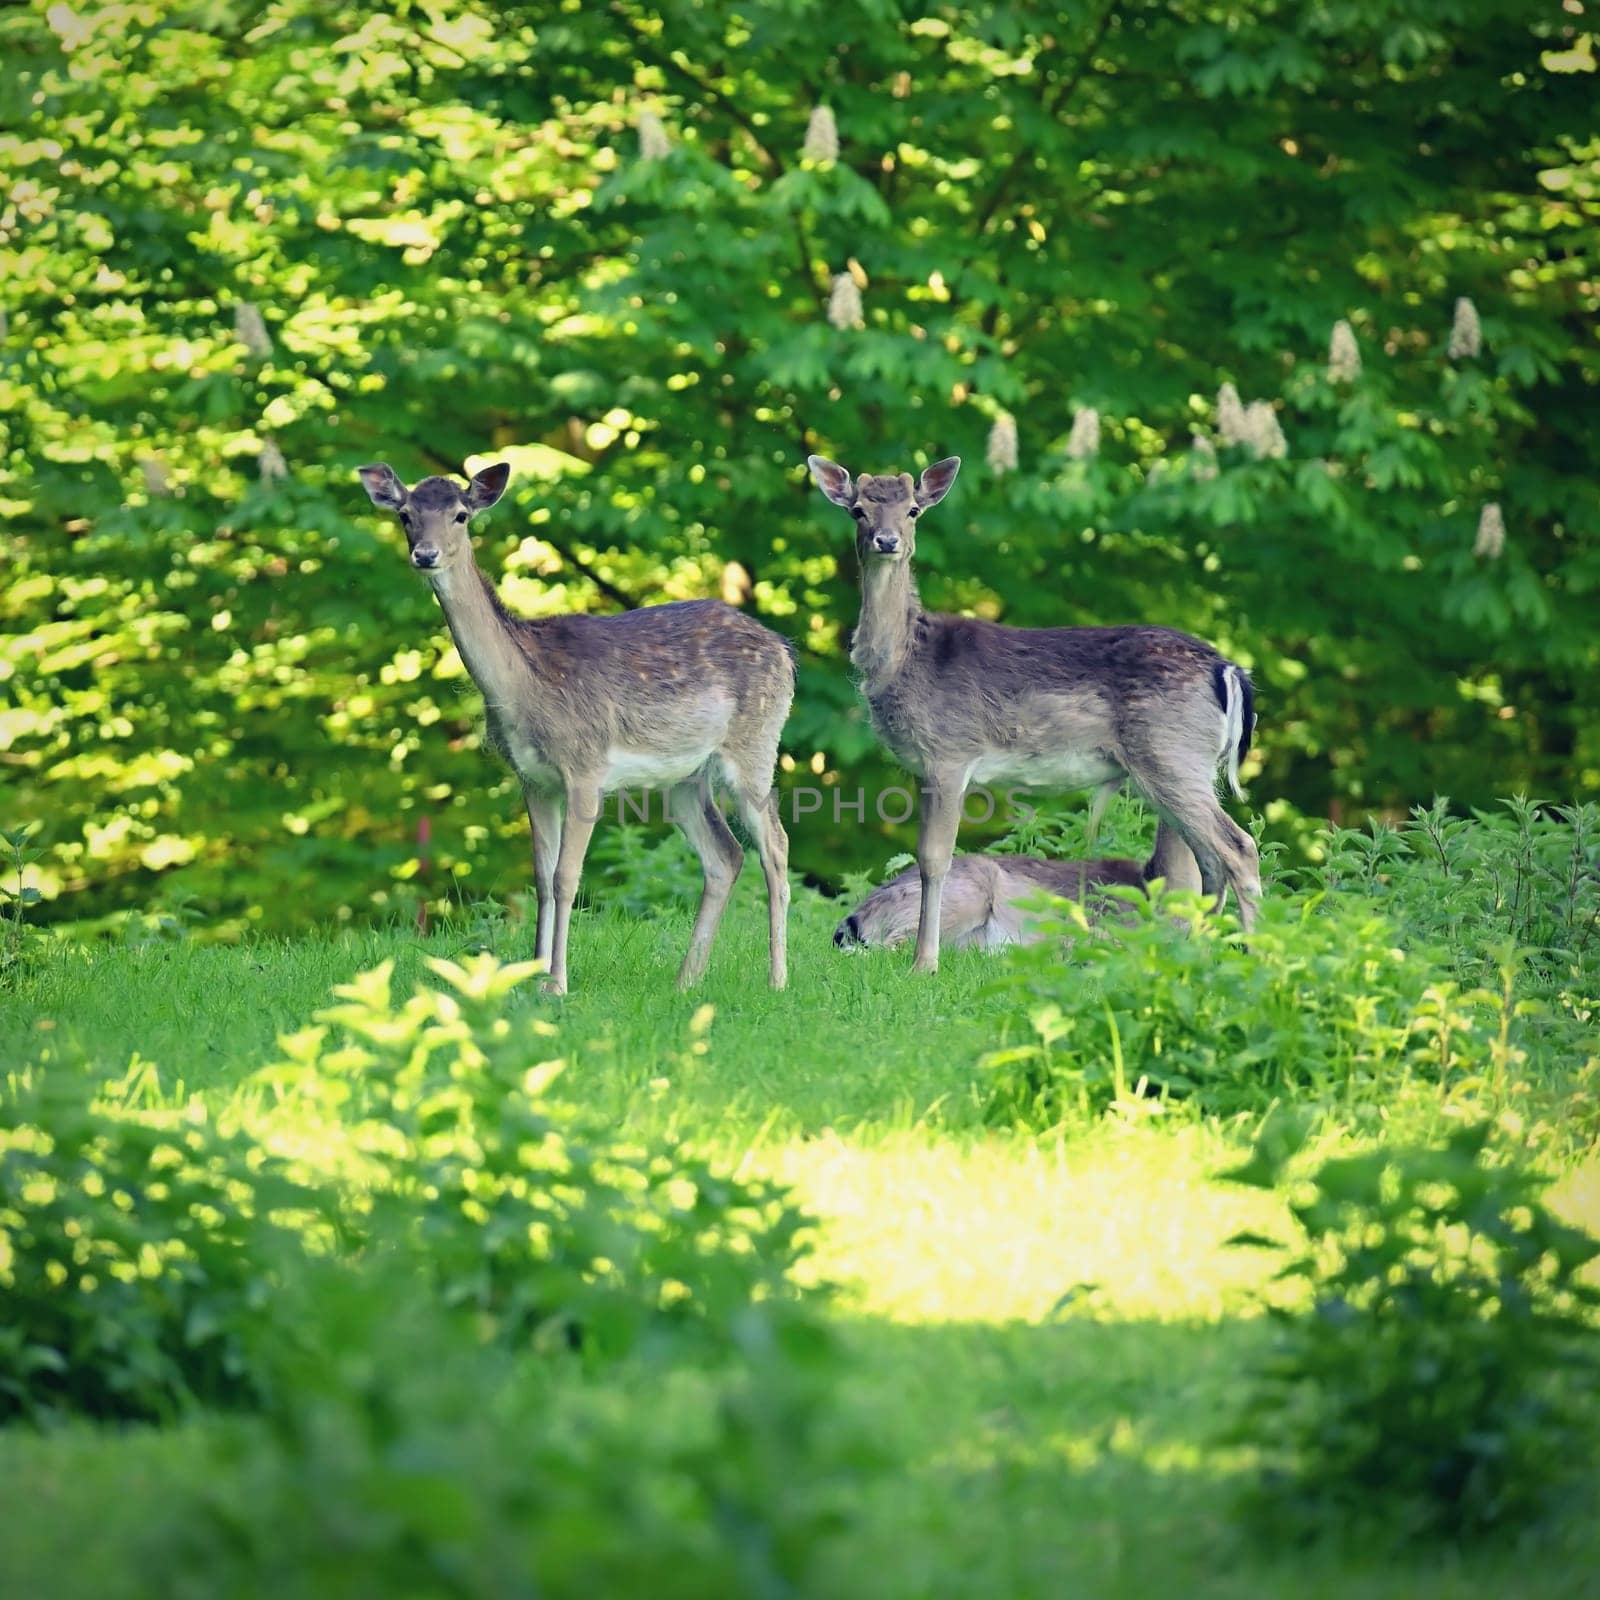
[[579, 706], [960, 701], [981, 894]]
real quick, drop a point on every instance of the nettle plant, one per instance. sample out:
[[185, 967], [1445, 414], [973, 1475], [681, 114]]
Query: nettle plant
[[15, 901], [147, 1256], [1166, 1002], [1441, 1379], [1453, 953], [403, 1456], [139, 1255], [1527, 872], [441, 1111]]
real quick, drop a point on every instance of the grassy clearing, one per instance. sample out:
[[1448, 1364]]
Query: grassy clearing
[[1045, 1333]]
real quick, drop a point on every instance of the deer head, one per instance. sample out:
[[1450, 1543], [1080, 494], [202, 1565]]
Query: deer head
[[436, 512], [885, 507]]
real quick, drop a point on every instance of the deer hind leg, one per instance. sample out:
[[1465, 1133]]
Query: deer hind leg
[[747, 763], [1172, 860], [720, 859], [583, 811], [758, 809], [544, 820], [1224, 852], [936, 842]]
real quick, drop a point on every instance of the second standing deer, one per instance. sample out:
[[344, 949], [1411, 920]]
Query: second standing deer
[[960, 701], [669, 696]]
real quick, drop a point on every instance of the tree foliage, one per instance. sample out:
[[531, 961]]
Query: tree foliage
[[250, 245]]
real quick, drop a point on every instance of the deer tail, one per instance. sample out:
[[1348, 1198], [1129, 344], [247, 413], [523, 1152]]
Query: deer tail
[[1237, 698]]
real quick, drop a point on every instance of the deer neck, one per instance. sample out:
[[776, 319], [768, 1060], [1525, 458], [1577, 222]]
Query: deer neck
[[490, 654], [889, 612]]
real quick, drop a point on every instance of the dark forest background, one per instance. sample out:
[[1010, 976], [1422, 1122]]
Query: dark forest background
[[653, 255]]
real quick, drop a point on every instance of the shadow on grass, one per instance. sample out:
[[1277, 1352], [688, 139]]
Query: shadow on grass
[[1020, 1461], [1090, 1457]]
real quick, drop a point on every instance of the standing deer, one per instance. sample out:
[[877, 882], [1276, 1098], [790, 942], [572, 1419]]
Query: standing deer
[[982, 892], [959, 701], [580, 706]]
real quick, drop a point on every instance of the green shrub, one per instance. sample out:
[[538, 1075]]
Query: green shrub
[[16, 895], [1395, 964], [409, 1459], [144, 1255], [1526, 874], [1439, 1382], [1170, 1003], [440, 1111], [135, 1254]]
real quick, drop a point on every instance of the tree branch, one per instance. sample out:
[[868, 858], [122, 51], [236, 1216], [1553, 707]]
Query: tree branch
[[1053, 105], [647, 46]]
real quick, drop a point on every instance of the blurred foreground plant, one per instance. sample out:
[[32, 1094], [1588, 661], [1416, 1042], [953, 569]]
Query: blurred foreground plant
[[1441, 1381]]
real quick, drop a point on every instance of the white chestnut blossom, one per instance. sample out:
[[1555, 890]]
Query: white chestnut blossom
[[1491, 540], [1466, 337], [251, 331], [1230, 416], [1263, 433], [653, 142], [844, 303], [822, 137], [273, 466], [1084, 440], [1002, 451], [1344, 354]]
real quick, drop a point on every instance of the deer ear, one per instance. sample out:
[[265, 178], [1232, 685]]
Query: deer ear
[[832, 480], [383, 487], [935, 482], [487, 486]]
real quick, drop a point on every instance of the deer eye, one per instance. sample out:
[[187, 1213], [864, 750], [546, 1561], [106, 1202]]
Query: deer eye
[[914, 512], [858, 513], [461, 516]]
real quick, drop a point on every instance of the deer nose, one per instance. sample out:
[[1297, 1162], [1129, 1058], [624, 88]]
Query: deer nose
[[886, 543], [847, 933], [425, 556]]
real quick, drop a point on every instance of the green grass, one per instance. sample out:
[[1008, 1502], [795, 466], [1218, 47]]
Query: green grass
[[1047, 1335]]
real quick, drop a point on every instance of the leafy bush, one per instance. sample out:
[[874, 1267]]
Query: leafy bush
[[1051, 827], [408, 1459], [1322, 1001], [1438, 1382], [144, 1255], [1526, 873], [135, 1254], [1389, 966], [513, 1203], [644, 869]]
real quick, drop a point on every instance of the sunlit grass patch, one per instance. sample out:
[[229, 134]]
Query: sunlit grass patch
[[988, 1228]]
